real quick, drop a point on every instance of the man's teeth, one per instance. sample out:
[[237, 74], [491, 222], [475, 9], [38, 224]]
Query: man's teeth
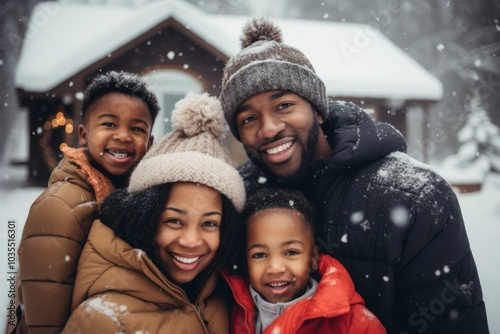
[[186, 259], [279, 149], [118, 154], [277, 285]]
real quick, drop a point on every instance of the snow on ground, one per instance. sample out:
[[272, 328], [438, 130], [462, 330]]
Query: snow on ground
[[481, 212]]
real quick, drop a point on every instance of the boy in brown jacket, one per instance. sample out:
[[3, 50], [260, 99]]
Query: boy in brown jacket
[[118, 112]]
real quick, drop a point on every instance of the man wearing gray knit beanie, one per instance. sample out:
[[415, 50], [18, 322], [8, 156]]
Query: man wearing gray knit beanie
[[393, 223]]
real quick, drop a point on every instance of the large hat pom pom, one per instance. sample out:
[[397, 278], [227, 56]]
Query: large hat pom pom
[[197, 113], [260, 30]]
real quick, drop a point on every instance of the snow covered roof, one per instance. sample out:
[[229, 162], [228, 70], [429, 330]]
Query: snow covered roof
[[352, 59]]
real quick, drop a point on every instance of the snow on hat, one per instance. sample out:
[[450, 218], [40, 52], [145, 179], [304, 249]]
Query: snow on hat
[[192, 152], [264, 64]]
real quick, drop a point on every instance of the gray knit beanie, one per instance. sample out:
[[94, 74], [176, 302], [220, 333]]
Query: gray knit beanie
[[264, 64], [192, 152]]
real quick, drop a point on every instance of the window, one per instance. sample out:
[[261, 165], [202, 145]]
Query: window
[[169, 86]]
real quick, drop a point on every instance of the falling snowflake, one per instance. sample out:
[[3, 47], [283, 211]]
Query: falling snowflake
[[453, 314], [276, 330], [357, 217], [399, 216], [262, 180]]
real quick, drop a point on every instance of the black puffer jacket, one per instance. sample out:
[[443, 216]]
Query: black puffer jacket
[[395, 225]]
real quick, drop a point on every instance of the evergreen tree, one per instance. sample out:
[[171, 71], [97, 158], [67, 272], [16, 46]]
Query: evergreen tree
[[479, 141]]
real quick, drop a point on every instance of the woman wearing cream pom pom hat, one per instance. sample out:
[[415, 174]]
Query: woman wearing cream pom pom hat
[[151, 262]]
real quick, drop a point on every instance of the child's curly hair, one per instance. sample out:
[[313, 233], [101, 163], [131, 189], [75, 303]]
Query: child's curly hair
[[119, 82], [265, 198]]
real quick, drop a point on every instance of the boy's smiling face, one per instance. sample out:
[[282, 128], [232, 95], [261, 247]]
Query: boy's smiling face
[[280, 253], [117, 132]]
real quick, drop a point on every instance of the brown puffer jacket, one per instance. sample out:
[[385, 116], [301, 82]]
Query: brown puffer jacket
[[53, 238], [124, 292]]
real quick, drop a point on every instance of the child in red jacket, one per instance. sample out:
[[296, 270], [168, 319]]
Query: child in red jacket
[[281, 260]]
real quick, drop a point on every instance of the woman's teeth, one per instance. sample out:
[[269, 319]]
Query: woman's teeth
[[186, 260]]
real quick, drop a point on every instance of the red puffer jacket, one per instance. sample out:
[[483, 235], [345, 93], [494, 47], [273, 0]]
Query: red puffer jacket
[[335, 307]]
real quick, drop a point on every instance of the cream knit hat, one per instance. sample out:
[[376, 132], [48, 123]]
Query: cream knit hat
[[192, 152]]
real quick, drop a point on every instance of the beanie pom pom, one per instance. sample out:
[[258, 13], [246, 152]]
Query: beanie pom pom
[[260, 30], [197, 113]]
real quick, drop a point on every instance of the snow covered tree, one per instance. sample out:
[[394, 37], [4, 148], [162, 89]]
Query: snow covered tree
[[479, 141]]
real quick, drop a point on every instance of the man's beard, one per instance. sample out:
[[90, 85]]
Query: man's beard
[[301, 175]]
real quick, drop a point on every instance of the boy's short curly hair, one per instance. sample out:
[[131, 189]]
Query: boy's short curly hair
[[267, 197], [119, 82]]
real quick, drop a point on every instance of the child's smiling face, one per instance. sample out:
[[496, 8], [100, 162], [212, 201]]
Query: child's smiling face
[[117, 132], [280, 253]]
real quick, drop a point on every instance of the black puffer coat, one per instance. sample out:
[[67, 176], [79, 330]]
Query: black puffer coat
[[395, 225]]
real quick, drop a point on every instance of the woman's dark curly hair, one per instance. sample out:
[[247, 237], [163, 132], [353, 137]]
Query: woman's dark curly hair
[[134, 217]]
